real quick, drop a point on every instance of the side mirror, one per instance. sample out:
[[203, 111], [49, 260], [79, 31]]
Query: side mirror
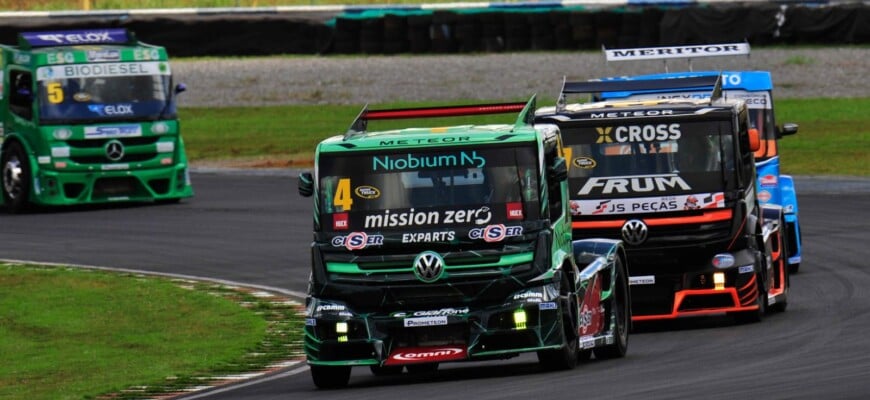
[[559, 170], [306, 184], [788, 128], [180, 88], [754, 140]]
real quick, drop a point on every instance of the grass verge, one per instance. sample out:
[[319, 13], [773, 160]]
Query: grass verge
[[833, 138], [71, 333]]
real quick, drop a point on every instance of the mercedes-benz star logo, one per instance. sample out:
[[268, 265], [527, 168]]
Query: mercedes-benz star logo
[[114, 150], [428, 266], [634, 232]]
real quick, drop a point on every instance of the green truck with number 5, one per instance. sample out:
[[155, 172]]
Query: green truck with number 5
[[88, 116]]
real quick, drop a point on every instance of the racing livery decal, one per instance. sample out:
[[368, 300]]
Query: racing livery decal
[[648, 204]]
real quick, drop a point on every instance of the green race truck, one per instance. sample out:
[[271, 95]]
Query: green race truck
[[88, 116], [451, 244]]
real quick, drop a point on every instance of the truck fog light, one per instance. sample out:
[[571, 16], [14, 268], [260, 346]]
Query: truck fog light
[[341, 327], [719, 280], [520, 319]]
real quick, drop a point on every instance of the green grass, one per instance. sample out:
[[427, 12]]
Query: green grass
[[833, 136], [71, 333]]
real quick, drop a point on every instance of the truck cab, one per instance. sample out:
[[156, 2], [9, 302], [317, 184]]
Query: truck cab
[[755, 88], [89, 116], [453, 243], [675, 180]]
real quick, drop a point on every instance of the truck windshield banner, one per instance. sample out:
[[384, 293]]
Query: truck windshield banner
[[419, 191], [76, 37], [650, 162], [103, 70]]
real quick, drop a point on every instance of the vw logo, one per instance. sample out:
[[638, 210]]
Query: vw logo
[[114, 150], [634, 232], [428, 266]]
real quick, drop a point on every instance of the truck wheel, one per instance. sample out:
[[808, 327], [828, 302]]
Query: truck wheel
[[619, 311], [330, 377], [16, 178], [568, 355]]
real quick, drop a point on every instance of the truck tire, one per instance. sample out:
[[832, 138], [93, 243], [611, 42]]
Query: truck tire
[[16, 178], [568, 355], [619, 311], [330, 377]]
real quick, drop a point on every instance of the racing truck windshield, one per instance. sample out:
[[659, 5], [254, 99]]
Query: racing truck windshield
[[425, 189], [104, 92], [648, 167]]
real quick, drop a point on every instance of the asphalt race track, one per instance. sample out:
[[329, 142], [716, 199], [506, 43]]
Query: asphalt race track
[[253, 228]]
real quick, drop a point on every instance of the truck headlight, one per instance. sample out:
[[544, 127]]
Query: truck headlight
[[62, 133]]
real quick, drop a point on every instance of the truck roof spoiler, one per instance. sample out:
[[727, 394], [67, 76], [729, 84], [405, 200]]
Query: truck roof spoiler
[[670, 52], [29, 40], [713, 83], [360, 123]]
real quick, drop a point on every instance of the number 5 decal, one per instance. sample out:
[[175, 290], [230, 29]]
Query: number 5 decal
[[342, 196], [55, 92]]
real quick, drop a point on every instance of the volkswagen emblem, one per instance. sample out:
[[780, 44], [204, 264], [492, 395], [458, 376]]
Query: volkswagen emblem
[[428, 266], [114, 150], [634, 232]]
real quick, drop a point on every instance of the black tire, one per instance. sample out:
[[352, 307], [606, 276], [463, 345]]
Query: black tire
[[794, 268], [382, 370], [16, 178], [568, 355], [330, 377], [422, 368], [618, 310]]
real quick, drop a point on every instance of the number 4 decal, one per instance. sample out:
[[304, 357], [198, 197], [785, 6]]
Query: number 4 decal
[[342, 196]]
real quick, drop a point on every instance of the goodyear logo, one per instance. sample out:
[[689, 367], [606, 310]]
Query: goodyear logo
[[367, 192], [584, 162]]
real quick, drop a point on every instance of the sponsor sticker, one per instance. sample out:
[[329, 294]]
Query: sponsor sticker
[[633, 184], [587, 342], [495, 233], [421, 161], [412, 217], [102, 70], [367, 192], [768, 181], [310, 322], [547, 306], [112, 131], [425, 321], [746, 269], [357, 241], [339, 222], [764, 196], [584, 162], [514, 210], [431, 313], [428, 237], [642, 280], [648, 204], [430, 354]]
